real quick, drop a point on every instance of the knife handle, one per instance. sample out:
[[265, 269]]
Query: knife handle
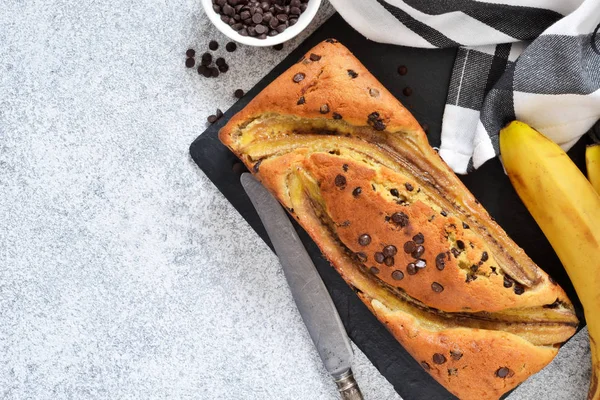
[[348, 387]]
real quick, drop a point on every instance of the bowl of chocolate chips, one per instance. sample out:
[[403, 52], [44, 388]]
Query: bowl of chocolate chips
[[261, 23]]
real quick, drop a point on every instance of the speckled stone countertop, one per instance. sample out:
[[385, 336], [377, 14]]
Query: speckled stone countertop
[[124, 273]]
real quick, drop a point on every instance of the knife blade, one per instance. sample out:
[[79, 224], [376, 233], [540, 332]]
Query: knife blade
[[308, 290]]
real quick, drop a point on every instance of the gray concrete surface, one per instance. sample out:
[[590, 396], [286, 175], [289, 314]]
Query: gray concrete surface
[[124, 274]]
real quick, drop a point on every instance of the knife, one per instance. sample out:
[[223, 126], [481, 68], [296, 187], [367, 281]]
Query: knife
[[308, 290]]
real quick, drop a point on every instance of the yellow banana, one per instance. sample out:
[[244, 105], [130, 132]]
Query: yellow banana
[[567, 209], [592, 164]]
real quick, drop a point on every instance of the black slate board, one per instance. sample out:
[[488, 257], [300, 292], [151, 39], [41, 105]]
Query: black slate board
[[428, 76]]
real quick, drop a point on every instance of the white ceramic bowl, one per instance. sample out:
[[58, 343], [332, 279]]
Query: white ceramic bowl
[[290, 32]]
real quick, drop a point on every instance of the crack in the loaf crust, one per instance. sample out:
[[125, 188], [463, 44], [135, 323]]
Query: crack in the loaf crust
[[481, 320]]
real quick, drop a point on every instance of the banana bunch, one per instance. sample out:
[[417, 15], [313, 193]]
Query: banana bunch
[[567, 209]]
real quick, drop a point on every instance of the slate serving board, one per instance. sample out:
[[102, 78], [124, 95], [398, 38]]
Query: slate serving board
[[428, 75]]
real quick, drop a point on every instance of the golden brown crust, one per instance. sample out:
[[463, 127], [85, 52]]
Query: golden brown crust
[[354, 168]]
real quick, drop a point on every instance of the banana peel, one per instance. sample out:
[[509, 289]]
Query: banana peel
[[567, 208], [592, 164]]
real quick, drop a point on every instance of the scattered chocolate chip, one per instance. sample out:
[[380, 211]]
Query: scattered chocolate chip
[[460, 244], [502, 372], [277, 46], [203, 70], [337, 116], [407, 91], [484, 256], [474, 267], [436, 287], [190, 62], [345, 167], [206, 59], [455, 252], [340, 181], [223, 68], [465, 226], [364, 239], [214, 72], [456, 354], [409, 247], [419, 238], [362, 257], [470, 278], [400, 218], [379, 257], [256, 166], [418, 252], [425, 365], [508, 282], [301, 101], [211, 119], [213, 45], [389, 261], [420, 264], [452, 371], [394, 192], [345, 224], [190, 53], [440, 261], [444, 213], [374, 92], [402, 70], [519, 289], [374, 270], [231, 46], [493, 270], [409, 187], [379, 125], [324, 109], [390, 250], [397, 275], [439, 358], [239, 93], [219, 113], [352, 74], [356, 192], [411, 269], [314, 57], [298, 77]]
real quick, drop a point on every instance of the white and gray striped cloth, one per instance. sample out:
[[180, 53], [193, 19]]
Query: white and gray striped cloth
[[533, 60]]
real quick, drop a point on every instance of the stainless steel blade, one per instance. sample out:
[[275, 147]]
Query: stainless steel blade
[[314, 303]]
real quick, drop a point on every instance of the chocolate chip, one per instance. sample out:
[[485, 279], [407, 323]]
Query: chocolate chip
[[214, 72], [206, 59], [220, 61], [373, 116], [374, 92], [390, 250], [379, 257], [409, 247], [400, 218], [455, 252], [352, 74], [502, 372], [402, 70], [337, 116], [418, 252], [419, 238], [436, 287], [231, 46], [374, 270], [456, 354], [301, 101], [407, 91], [409, 187], [239, 93], [397, 275], [484, 256], [519, 289], [340, 181], [474, 268], [356, 192], [452, 371], [345, 167], [440, 261], [470, 278], [444, 213], [330, 40], [394, 192], [213, 45], [224, 68], [212, 119], [324, 109], [362, 257], [425, 365], [204, 71], [379, 125], [228, 10], [460, 244], [219, 113], [314, 57], [420, 264], [257, 18], [389, 261], [277, 46], [508, 282], [256, 166], [465, 226], [364, 239], [439, 358], [190, 62], [190, 53], [411, 269], [299, 77]]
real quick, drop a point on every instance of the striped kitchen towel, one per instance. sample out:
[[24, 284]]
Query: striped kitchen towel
[[533, 60]]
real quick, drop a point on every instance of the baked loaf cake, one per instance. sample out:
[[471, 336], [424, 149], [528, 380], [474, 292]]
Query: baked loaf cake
[[354, 167]]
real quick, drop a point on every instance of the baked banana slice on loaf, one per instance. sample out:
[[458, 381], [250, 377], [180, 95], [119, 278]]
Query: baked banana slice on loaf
[[353, 166]]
